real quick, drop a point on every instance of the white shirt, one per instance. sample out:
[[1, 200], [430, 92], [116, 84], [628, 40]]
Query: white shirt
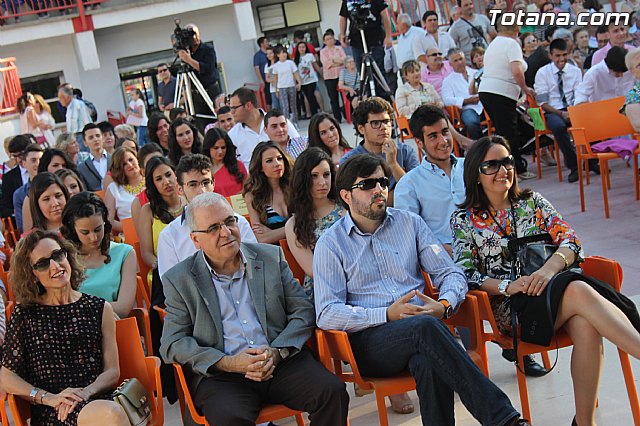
[[497, 77], [284, 71], [245, 139], [24, 173], [123, 200], [404, 48], [428, 41], [100, 163], [175, 245], [455, 89], [546, 85], [599, 84], [139, 107]]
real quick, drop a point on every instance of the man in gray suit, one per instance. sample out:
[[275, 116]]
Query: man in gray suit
[[237, 321], [94, 168]]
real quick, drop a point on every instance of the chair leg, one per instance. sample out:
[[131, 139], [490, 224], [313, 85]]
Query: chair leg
[[627, 372], [586, 170], [524, 395], [382, 409], [538, 156], [636, 176], [545, 359], [580, 162], [299, 419], [605, 196], [558, 163]]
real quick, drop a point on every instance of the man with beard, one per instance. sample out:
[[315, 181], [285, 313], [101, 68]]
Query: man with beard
[[368, 281]]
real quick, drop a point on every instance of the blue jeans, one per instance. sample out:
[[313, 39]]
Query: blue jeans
[[141, 136], [471, 121], [558, 126], [424, 346]]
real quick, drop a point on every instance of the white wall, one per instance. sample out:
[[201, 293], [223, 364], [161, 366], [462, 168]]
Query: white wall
[[329, 10]]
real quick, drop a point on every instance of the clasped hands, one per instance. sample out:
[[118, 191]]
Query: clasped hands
[[401, 308], [531, 285], [66, 401], [257, 364]]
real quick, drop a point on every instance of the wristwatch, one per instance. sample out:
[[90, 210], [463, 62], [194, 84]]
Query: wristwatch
[[503, 286], [448, 309], [284, 353]]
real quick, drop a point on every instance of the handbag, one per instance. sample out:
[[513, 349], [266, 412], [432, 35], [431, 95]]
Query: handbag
[[134, 400]]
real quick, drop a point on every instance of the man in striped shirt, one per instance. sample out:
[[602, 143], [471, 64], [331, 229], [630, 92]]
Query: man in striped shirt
[[367, 281]]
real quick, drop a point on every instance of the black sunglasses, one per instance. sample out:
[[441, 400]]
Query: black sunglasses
[[435, 54], [43, 264], [492, 167], [367, 184]]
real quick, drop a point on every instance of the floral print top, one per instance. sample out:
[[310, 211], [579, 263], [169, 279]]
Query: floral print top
[[633, 97], [479, 244]]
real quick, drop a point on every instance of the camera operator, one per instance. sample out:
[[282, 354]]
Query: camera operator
[[377, 30], [202, 58]]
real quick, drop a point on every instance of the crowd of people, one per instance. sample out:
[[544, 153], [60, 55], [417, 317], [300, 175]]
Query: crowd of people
[[361, 222]]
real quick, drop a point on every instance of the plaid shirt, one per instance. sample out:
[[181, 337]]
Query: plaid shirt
[[295, 146]]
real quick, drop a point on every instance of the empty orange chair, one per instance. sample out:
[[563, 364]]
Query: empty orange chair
[[538, 133]]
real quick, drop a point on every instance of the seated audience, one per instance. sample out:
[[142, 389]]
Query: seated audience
[[225, 119], [127, 143], [529, 44], [496, 210], [110, 268], [581, 43], [48, 196], [349, 80], [145, 153], [71, 180], [11, 162], [276, 128], [95, 168], [618, 35], [16, 177], [158, 129], [108, 136], [325, 133], [266, 192], [125, 131], [608, 79], [477, 58], [228, 171], [413, 92], [436, 70], [232, 373], [631, 106], [32, 155], [127, 183], [602, 39], [71, 329], [368, 281], [67, 143], [184, 138]]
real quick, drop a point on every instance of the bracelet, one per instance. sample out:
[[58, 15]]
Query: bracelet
[[564, 258], [44, 393], [33, 394]]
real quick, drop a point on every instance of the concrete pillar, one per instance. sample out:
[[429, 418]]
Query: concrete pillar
[[244, 20], [86, 50]]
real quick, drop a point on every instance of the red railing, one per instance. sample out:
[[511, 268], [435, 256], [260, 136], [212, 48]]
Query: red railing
[[10, 88], [15, 10]]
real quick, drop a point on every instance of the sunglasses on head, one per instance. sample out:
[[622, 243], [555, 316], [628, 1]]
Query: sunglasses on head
[[43, 264], [491, 167], [370, 183]]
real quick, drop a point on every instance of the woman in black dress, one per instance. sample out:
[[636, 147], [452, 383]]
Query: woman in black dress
[[60, 350]]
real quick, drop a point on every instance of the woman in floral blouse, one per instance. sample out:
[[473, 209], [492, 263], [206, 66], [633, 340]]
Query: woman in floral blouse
[[496, 210]]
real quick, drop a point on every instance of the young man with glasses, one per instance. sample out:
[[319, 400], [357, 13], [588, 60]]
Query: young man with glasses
[[237, 321], [194, 178], [373, 120], [166, 88], [368, 282]]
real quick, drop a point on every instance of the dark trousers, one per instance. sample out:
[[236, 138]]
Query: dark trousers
[[334, 96], [300, 383], [424, 346], [308, 90], [267, 93], [558, 126], [504, 117], [201, 107]]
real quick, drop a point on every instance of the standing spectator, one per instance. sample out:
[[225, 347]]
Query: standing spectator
[[93, 112], [325, 133], [228, 172], [618, 35], [407, 34], [137, 116], [308, 71], [433, 37], [502, 83], [413, 92], [166, 88], [471, 29], [77, 112], [268, 75], [287, 81], [184, 138], [46, 122], [332, 58], [259, 62], [436, 70], [28, 118]]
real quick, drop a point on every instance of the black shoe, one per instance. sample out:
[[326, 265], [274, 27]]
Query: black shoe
[[594, 167], [531, 367], [573, 422], [573, 176], [520, 422]]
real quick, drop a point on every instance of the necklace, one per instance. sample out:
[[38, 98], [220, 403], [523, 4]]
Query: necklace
[[177, 211], [135, 190]]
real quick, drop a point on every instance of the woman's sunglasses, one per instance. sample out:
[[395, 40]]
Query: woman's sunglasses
[[368, 184], [43, 264], [491, 167]]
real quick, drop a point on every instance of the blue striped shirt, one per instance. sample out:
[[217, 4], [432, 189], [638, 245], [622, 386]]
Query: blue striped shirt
[[357, 276], [77, 116]]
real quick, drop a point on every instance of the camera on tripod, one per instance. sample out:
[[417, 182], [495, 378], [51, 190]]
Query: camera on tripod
[[360, 12], [182, 38]]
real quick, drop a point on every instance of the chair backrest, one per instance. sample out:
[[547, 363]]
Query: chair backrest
[[143, 269], [134, 364], [604, 269], [338, 348], [129, 230], [20, 410], [298, 272], [161, 312], [403, 125], [100, 193], [596, 121], [184, 397], [142, 295]]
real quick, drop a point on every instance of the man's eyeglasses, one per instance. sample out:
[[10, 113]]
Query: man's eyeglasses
[[376, 124], [370, 183], [435, 54], [43, 264], [233, 108], [229, 223], [491, 167], [194, 184]]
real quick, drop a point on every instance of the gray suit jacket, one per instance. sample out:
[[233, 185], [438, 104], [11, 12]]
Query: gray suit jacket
[[90, 175], [192, 334]]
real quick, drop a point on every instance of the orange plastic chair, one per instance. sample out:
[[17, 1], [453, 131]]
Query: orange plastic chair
[[133, 363], [598, 267], [4, 419], [141, 314], [268, 414], [538, 133], [100, 194], [161, 312], [20, 410], [298, 272], [598, 121], [129, 230], [347, 105], [143, 270]]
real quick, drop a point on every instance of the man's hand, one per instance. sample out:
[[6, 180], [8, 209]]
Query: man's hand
[[261, 371], [390, 150], [387, 42], [401, 308], [431, 307], [472, 100], [565, 116], [240, 363], [343, 41], [184, 55]]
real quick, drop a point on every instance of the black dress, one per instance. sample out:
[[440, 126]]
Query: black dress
[[54, 348]]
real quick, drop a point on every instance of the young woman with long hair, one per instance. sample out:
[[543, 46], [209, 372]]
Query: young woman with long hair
[[48, 197], [127, 183], [183, 139], [325, 133], [229, 172]]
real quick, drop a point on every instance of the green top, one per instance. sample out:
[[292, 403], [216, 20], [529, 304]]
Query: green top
[[105, 281]]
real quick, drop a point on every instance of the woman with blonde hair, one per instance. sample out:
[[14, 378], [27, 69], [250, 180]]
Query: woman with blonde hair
[[414, 92], [68, 143], [127, 183], [46, 122]]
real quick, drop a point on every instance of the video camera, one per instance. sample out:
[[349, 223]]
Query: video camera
[[182, 38], [360, 12]]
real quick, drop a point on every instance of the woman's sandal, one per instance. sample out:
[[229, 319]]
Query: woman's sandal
[[401, 403]]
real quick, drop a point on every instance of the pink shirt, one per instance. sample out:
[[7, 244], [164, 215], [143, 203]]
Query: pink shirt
[[327, 55], [600, 54], [436, 78]]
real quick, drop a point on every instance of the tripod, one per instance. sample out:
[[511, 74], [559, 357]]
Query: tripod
[[370, 73], [184, 79]]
